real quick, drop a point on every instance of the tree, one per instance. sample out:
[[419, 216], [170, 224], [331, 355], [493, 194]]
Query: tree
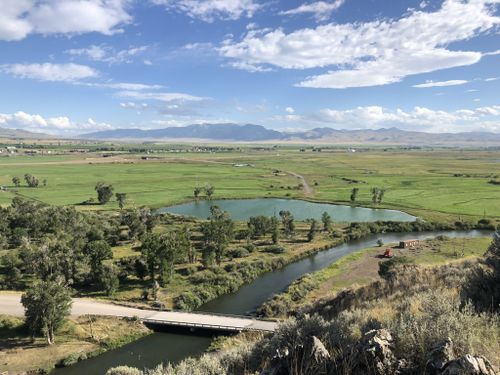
[[259, 226], [375, 192], [288, 222], [47, 304], [354, 194], [16, 181], [209, 191], [380, 242], [327, 221], [217, 232], [196, 192], [121, 198], [159, 252], [98, 251], [108, 279], [275, 230], [31, 180], [104, 192], [381, 193], [312, 230]]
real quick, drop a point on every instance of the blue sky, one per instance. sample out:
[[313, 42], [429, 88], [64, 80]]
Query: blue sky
[[75, 66]]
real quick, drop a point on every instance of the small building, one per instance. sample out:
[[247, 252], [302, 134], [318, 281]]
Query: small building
[[408, 244]]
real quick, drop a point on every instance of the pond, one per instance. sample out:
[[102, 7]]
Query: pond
[[160, 348], [243, 209]]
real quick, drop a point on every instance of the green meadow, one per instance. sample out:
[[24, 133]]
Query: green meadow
[[441, 183]]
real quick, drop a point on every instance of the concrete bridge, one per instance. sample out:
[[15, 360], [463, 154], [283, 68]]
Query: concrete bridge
[[10, 304]]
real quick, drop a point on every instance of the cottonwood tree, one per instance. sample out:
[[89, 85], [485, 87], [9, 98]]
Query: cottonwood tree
[[287, 220], [217, 232], [196, 192], [104, 192], [327, 221], [16, 181], [313, 230], [159, 252], [98, 252], [209, 191], [47, 304], [31, 180], [377, 195], [121, 198], [275, 230], [354, 194]]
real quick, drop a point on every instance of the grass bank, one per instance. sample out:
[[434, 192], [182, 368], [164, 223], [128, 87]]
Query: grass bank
[[80, 338]]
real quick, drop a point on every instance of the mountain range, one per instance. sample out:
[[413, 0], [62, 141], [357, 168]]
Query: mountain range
[[258, 133]]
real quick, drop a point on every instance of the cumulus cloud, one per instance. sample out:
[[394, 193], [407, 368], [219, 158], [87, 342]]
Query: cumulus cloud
[[372, 53], [210, 10], [418, 119], [50, 72], [453, 82], [108, 54], [166, 103], [51, 125], [20, 18], [321, 10]]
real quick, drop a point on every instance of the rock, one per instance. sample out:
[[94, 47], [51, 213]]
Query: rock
[[469, 365], [374, 355], [441, 353], [318, 351]]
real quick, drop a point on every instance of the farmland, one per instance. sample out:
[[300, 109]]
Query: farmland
[[430, 184]]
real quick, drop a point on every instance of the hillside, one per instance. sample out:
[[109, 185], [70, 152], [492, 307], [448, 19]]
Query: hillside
[[258, 133], [21, 134]]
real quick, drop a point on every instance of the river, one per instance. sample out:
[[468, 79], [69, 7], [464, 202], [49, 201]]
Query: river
[[152, 350]]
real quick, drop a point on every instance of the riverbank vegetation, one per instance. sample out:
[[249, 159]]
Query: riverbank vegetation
[[78, 339], [417, 320]]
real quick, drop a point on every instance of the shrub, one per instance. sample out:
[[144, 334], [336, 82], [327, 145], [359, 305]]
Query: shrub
[[386, 267], [124, 370], [274, 249]]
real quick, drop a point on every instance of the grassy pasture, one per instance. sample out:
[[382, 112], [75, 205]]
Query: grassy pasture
[[420, 182]]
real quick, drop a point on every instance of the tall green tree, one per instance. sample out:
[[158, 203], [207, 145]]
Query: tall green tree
[[354, 194], [313, 229], [98, 251], [275, 230], [121, 198], [218, 232], [16, 181], [160, 252], [47, 304], [104, 192], [327, 221], [287, 220], [196, 192], [209, 191]]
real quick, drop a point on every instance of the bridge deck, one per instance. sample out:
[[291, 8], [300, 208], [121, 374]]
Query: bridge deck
[[10, 304]]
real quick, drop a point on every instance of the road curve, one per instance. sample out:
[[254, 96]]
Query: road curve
[[308, 190], [10, 304]]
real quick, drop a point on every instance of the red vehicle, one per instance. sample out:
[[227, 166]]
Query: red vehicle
[[388, 253]]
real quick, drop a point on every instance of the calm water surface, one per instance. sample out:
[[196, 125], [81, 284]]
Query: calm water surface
[[243, 209], [164, 347]]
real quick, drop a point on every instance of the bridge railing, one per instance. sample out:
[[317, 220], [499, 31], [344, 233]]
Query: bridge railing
[[200, 325]]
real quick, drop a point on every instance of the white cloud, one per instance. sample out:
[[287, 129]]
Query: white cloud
[[453, 82], [107, 54], [290, 110], [210, 10], [371, 53], [160, 96], [51, 125], [50, 72], [133, 105], [20, 18], [321, 10], [127, 86], [418, 119]]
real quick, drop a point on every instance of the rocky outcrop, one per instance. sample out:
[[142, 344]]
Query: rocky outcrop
[[469, 365], [375, 354], [441, 353]]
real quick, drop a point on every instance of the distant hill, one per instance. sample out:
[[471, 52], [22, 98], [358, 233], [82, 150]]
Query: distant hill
[[22, 134], [258, 133]]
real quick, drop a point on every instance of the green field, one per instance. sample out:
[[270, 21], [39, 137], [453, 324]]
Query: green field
[[426, 183]]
